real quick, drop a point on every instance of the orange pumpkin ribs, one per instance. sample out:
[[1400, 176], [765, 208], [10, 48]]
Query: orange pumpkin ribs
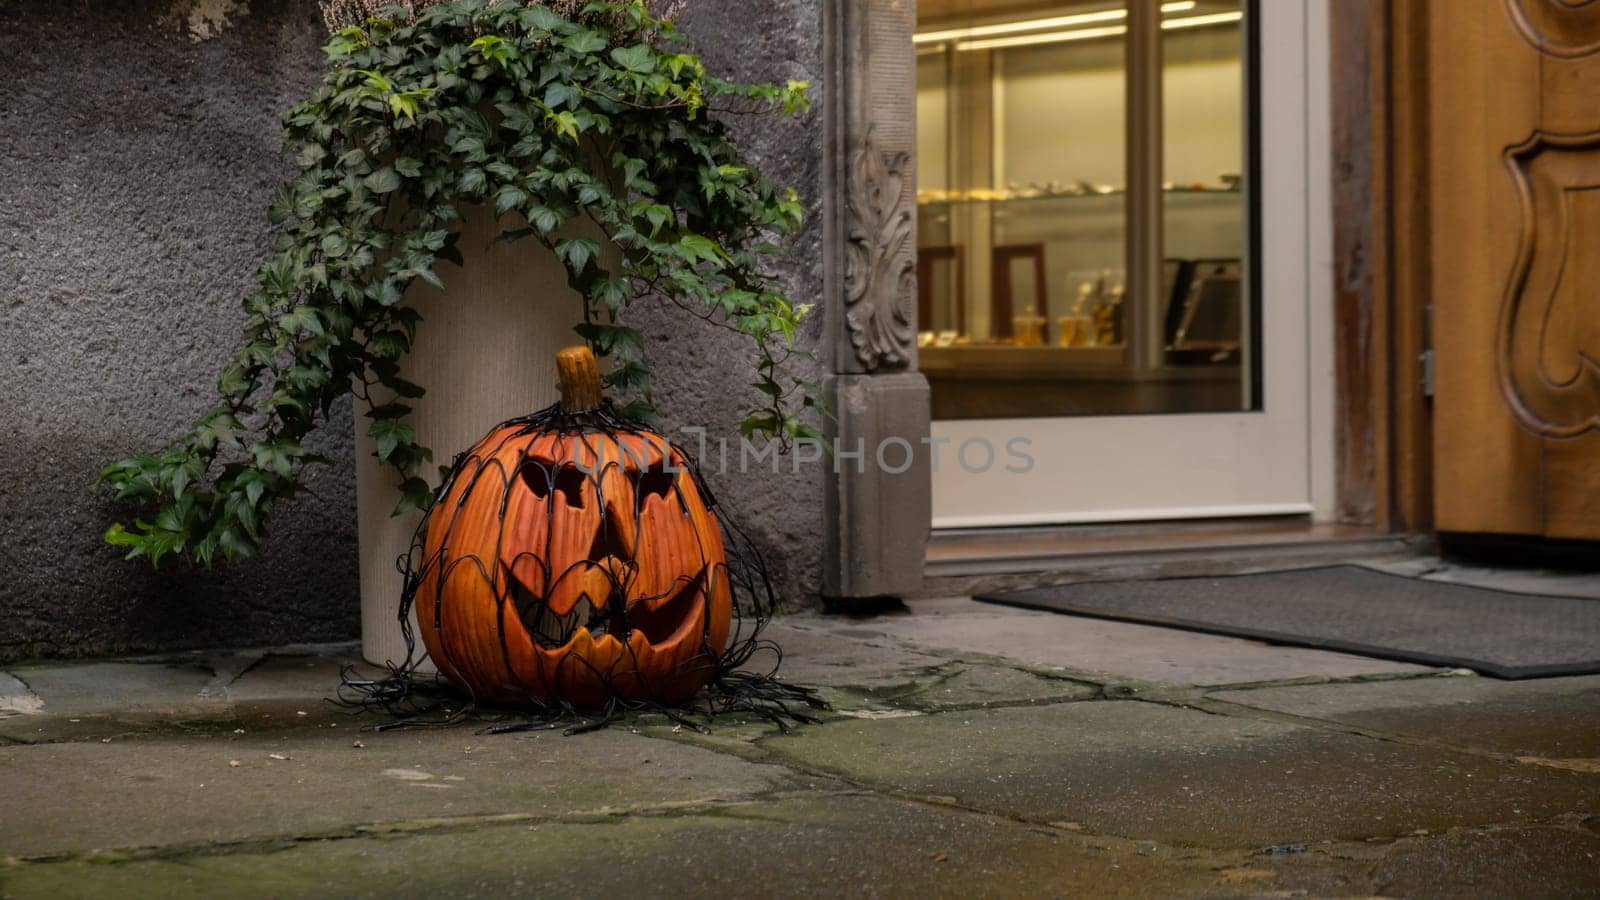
[[572, 562]]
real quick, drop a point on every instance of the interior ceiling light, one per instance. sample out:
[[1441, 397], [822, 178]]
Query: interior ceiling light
[[1054, 22], [1084, 34]]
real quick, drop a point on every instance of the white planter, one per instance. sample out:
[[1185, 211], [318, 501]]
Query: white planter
[[485, 352]]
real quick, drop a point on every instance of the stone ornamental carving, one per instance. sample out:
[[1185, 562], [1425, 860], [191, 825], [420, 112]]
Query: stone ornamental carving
[[1564, 29], [1549, 333], [880, 258]]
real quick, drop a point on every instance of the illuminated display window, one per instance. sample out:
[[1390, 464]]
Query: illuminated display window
[[1085, 200]]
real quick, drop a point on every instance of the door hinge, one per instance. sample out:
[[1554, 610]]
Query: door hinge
[[1425, 358]]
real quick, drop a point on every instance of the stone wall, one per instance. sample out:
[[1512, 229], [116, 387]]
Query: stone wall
[[702, 378], [139, 146]]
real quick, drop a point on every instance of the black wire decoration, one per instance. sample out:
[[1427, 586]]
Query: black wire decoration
[[574, 567]]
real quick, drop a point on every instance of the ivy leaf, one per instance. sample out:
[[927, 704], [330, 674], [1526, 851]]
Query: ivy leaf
[[795, 98], [510, 197], [389, 434], [543, 218], [389, 411], [585, 42], [254, 487], [404, 388], [577, 253], [283, 204], [566, 124], [345, 42], [406, 104], [658, 216], [376, 81], [697, 247], [609, 339], [219, 429], [541, 18], [303, 318], [382, 181], [388, 344], [502, 171], [236, 546], [637, 58], [613, 292], [119, 536], [496, 49], [473, 182], [334, 245], [562, 94], [470, 146], [426, 273], [233, 382], [764, 424], [310, 155], [274, 456], [414, 494]]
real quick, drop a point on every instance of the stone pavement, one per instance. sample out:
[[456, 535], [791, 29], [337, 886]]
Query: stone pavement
[[973, 750]]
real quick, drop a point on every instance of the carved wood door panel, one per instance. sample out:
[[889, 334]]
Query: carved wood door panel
[[1514, 171]]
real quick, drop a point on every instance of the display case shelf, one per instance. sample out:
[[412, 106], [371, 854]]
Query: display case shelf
[[931, 201]]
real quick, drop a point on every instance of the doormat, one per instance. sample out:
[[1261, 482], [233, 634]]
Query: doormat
[[1353, 609]]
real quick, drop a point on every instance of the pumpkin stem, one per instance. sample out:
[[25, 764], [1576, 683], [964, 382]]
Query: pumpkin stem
[[579, 375]]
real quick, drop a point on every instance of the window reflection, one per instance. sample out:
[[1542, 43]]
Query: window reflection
[[1024, 211]]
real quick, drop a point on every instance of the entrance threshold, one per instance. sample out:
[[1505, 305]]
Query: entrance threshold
[[1060, 553]]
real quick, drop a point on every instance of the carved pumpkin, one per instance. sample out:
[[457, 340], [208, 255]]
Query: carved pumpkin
[[573, 557]]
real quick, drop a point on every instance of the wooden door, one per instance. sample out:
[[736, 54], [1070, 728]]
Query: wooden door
[[1514, 187]]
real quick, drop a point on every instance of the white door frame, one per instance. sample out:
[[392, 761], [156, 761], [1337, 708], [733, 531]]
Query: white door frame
[[1274, 462]]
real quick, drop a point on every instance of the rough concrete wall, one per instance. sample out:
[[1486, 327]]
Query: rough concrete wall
[[703, 374], [138, 153], [139, 148]]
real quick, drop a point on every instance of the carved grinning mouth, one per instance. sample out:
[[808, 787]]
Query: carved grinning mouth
[[552, 631]]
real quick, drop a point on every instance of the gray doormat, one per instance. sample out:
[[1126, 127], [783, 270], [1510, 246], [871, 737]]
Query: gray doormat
[[1354, 610]]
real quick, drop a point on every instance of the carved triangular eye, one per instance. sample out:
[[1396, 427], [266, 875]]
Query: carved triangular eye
[[655, 481], [545, 479]]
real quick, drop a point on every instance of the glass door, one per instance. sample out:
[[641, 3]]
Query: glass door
[[1111, 273]]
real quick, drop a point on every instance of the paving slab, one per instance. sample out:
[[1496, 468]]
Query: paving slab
[[179, 683], [16, 698], [805, 846], [286, 714], [801, 847], [1181, 776], [816, 654], [283, 676], [1521, 581], [86, 688], [1556, 719], [181, 693], [1098, 648], [1514, 862], [79, 797], [866, 672], [969, 685]]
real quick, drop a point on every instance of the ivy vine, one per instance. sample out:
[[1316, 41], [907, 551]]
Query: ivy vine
[[603, 116]]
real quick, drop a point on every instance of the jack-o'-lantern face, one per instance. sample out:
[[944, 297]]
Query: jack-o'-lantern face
[[574, 565]]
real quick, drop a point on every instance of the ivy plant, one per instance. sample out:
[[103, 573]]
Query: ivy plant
[[603, 116]]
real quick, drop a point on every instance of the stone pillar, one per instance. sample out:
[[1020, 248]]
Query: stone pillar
[[879, 504]]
